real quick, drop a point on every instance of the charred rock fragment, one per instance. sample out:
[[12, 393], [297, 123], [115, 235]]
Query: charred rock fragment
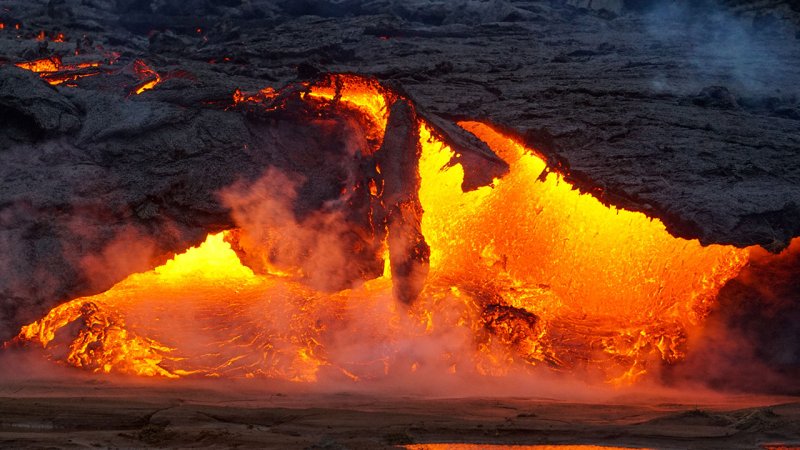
[[398, 159]]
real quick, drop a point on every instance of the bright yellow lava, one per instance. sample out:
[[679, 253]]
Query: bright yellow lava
[[207, 303], [595, 259], [525, 272], [362, 94], [214, 261], [597, 277]]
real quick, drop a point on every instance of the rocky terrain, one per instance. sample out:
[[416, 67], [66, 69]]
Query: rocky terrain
[[66, 412]]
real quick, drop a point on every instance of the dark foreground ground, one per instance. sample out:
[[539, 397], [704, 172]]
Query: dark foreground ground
[[99, 414]]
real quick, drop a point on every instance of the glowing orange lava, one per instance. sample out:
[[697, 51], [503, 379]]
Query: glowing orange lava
[[523, 273], [564, 256], [44, 65], [364, 95], [260, 97], [55, 72], [150, 78], [228, 321]]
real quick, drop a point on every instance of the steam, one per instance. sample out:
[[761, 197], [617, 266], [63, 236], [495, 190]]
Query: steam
[[426, 348], [749, 342], [316, 248], [368, 335], [129, 251], [721, 49]]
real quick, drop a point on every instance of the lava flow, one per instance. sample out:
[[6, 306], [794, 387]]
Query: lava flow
[[148, 77], [55, 72], [527, 272]]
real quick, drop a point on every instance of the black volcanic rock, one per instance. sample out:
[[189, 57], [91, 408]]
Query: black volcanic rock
[[715, 97]]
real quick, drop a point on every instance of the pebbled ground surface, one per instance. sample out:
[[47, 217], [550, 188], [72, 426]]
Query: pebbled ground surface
[[67, 413]]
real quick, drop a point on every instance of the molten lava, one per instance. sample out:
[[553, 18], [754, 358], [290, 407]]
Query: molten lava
[[148, 77], [611, 280], [55, 72], [44, 65], [225, 320], [361, 94], [525, 272], [259, 97]]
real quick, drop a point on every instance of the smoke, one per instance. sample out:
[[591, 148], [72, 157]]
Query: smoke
[[48, 260], [33, 265], [746, 53], [367, 333], [290, 324], [129, 251], [749, 342], [322, 248], [310, 320]]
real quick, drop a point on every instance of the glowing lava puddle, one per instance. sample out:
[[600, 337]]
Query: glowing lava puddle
[[55, 72], [524, 273]]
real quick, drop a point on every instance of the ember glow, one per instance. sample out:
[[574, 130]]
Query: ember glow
[[149, 77], [44, 65], [261, 96], [55, 72], [527, 272]]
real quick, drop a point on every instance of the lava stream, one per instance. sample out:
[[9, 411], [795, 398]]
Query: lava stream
[[527, 272]]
